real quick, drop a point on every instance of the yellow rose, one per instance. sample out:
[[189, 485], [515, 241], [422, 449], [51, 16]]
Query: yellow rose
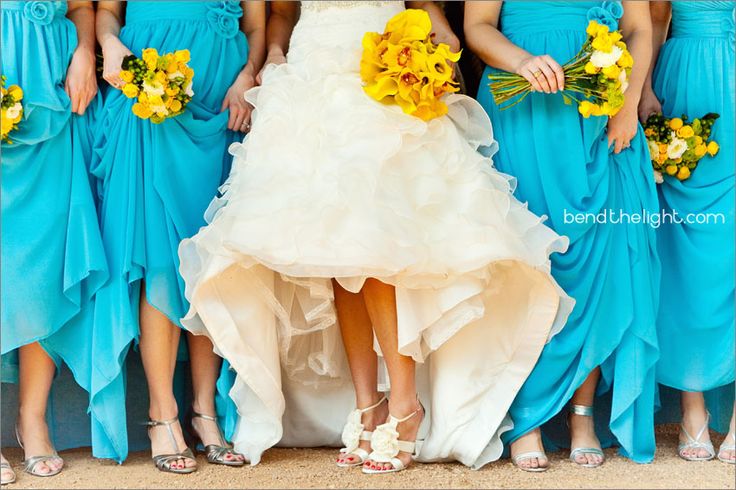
[[612, 72], [685, 131], [671, 169], [713, 148], [590, 68], [602, 43], [142, 110], [175, 105], [648, 132], [698, 140], [626, 61], [182, 56], [594, 29], [130, 90], [172, 90], [662, 148], [15, 92], [161, 77], [700, 150], [126, 76], [662, 158], [143, 98], [585, 108], [683, 173], [675, 123], [150, 56]]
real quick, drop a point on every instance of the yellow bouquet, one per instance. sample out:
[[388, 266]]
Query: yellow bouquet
[[162, 84], [596, 78], [676, 145], [11, 108], [403, 66]]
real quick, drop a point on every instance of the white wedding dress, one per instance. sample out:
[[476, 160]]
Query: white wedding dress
[[332, 184]]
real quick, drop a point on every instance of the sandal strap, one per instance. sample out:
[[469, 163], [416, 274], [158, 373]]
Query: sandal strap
[[529, 455], [584, 410], [163, 461], [30, 464], [372, 407], [696, 439], [186, 453], [586, 450], [197, 415], [6, 465], [354, 431]]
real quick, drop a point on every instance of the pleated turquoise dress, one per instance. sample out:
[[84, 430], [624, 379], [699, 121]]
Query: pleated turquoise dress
[[156, 182], [694, 75], [53, 260], [564, 168]]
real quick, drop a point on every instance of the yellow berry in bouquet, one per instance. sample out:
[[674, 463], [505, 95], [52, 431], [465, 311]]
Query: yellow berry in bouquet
[[175, 105], [675, 123], [671, 169], [683, 173]]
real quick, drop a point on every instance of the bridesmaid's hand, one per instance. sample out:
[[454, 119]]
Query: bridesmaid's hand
[[235, 101], [622, 128], [81, 82], [543, 73], [272, 59], [113, 53], [649, 104]]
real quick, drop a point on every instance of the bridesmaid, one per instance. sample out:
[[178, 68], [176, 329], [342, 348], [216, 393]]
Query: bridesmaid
[[568, 166], [694, 76], [156, 183], [52, 255]]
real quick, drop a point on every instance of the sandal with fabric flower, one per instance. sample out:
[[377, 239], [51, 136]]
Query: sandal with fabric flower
[[354, 432], [386, 445]]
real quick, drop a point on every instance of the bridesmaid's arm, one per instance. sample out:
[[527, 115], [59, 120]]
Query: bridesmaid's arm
[[495, 49], [661, 12], [253, 24], [636, 29], [440, 26], [109, 20], [281, 23], [81, 81]]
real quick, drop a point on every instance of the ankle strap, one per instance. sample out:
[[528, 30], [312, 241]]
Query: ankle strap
[[375, 405], [583, 410], [166, 423], [198, 415], [404, 419]]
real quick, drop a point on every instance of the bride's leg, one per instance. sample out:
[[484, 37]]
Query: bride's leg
[[357, 337], [158, 345], [206, 366], [582, 429], [380, 301]]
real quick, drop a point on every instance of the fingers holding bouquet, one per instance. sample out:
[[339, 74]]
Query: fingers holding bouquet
[[543, 73], [114, 52]]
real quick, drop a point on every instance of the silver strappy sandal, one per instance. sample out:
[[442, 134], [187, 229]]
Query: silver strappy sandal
[[6, 466], [164, 461], [728, 447], [696, 443], [585, 411], [539, 455], [354, 432], [216, 453], [30, 465]]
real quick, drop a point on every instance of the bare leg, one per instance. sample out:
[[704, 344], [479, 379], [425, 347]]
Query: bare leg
[[159, 344], [530, 442], [380, 301], [729, 454], [694, 416], [205, 371], [357, 337], [582, 428], [6, 474], [36, 375]]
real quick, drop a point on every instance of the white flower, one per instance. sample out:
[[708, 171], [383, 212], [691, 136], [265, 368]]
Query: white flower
[[653, 149], [188, 90], [601, 59], [676, 148], [624, 79], [352, 431], [658, 177], [153, 89], [160, 110], [14, 110], [385, 443]]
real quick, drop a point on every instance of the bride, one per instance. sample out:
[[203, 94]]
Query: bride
[[353, 242]]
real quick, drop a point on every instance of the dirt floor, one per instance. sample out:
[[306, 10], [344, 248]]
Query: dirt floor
[[314, 468]]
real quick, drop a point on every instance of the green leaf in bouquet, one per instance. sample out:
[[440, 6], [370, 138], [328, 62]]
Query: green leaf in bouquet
[[697, 127]]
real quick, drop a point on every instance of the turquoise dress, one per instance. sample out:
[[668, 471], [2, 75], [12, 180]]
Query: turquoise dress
[[694, 75], [156, 182], [53, 260], [564, 168]]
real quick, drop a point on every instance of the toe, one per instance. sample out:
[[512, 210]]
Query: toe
[[534, 463], [580, 459]]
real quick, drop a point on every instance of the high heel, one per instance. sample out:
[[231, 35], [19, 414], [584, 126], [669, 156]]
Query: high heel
[[584, 411], [695, 443], [215, 453], [354, 432], [385, 445], [727, 447], [163, 461], [30, 465]]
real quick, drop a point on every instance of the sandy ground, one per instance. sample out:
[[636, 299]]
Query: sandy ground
[[314, 468]]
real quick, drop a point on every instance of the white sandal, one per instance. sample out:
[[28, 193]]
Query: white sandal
[[354, 432], [695, 443], [385, 445], [531, 455], [728, 447]]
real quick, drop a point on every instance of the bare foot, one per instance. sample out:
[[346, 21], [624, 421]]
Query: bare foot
[[161, 444], [694, 420], [407, 430], [369, 420], [6, 474], [209, 433], [582, 434], [34, 435], [530, 442]]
